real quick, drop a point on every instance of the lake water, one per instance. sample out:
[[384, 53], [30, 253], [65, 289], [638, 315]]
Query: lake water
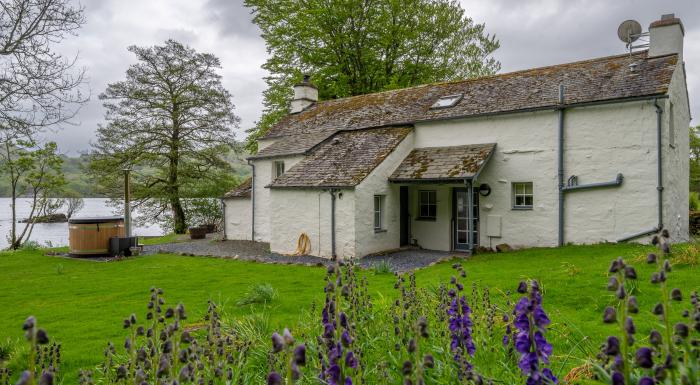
[[57, 233]]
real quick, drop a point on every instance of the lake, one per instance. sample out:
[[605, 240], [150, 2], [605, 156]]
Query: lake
[[57, 233]]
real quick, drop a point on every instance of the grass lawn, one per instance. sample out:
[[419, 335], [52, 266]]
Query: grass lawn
[[82, 303]]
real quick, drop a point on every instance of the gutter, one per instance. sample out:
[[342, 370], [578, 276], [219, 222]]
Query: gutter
[[659, 179], [223, 208]]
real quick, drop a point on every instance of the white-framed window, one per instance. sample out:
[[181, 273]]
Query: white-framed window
[[522, 195], [378, 212], [277, 168], [671, 127], [427, 204]]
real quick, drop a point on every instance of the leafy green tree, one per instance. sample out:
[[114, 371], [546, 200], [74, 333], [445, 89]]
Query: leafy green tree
[[695, 158], [353, 47], [35, 172], [171, 121]]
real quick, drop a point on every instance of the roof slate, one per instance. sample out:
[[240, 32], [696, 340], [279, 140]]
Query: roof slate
[[607, 78], [443, 163], [344, 160], [242, 190]]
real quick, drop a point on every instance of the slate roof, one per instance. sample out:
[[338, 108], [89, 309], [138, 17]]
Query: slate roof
[[344, 160], [293, 144], [242, 190], [601, 79], [443, 163]]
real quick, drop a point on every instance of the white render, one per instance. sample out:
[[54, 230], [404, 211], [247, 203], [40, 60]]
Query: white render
[[600, 141], [237, 218]]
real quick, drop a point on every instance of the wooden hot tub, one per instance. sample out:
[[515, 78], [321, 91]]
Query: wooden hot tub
[[90, 236]]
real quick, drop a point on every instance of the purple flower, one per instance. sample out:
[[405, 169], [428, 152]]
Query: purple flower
[[646, 381], [274, 379], [618, 379], [643, 358], [531, 322], [299, 355], [277, 343], [610, 315], [612, 347], [350, 360]]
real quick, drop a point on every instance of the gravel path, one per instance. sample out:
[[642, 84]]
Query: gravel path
[[399, 261]]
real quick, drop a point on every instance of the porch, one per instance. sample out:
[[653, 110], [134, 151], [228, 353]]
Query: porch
[[439, 196]]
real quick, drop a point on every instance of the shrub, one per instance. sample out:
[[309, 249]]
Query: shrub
[[382, 268], [694, 201], [262, 293]]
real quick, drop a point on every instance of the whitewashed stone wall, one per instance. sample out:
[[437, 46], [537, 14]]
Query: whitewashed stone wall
[[263, 177], [297, 211], [377, 183], [237, 217], [600, 141], [675, 159]]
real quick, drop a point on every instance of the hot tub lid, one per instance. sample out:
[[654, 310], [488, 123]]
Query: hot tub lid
[[95, 219]]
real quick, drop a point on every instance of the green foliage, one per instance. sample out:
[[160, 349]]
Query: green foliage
[[694, 201], [354, 47], [261, 293], [382, 268], [171, 122], [33, 171]]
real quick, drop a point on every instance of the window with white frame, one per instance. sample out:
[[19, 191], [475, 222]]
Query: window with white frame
[[427, 204], [277, 169], [378, 212], [522, 195]]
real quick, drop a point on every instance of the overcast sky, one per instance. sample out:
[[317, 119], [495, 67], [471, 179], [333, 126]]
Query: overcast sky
[[532, 34]]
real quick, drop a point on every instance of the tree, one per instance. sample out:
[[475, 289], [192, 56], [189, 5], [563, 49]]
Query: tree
[[353, 47], [38, 87], [171, 121], [73, 204], [34, 171], [695, 158]]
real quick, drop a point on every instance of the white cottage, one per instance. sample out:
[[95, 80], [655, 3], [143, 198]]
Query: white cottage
[[584, 152]]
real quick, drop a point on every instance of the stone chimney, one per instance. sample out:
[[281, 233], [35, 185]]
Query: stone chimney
[[666, 37], [305, 94]]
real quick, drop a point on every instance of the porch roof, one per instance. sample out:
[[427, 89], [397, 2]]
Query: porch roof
[[443, 164]]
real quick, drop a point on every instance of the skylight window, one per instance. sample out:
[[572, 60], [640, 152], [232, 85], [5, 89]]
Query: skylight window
[[447, 101]]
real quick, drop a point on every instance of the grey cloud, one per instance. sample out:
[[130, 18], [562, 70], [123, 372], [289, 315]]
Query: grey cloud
[[232, 17]]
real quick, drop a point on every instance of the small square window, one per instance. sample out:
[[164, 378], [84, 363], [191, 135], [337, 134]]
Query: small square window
[[378, 212], [522, 195], [427, 204], [277, 169]]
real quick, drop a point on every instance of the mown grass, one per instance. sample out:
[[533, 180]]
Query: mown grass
[[82, 303]]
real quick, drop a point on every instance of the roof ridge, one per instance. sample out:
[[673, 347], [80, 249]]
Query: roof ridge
[[578, 62]]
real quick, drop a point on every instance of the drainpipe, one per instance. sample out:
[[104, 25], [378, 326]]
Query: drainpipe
[[333, 254], [470, 214], [252, 202], [659, 179], [223, 208], [560, 164]]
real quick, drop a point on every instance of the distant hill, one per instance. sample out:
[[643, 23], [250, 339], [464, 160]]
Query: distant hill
[[79, 183]]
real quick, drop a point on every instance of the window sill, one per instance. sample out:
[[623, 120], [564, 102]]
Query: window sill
[[424, 219], [377, 231], [522, 208]]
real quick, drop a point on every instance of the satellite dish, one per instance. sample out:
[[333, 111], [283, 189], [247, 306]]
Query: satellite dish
[[629, 31]]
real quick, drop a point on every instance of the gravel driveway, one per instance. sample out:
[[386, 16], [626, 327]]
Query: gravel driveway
[[399, 261]]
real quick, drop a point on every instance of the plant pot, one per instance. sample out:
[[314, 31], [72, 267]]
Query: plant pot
[[198, 232], [210, 228]]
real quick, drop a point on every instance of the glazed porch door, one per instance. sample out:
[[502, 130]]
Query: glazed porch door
[[465, 213]]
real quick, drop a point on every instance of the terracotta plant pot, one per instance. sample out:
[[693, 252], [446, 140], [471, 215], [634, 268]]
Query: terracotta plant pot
[[198, 232]]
